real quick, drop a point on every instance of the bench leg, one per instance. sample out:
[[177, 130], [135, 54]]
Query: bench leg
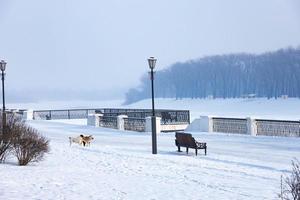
[[196, 150], [205, 151], [178, 148], [187, 150]]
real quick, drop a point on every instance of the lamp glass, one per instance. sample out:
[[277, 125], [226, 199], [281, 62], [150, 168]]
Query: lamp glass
[[151, 62], [2, 65]]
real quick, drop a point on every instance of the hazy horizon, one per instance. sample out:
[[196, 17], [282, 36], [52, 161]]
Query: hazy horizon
[[62, 48]]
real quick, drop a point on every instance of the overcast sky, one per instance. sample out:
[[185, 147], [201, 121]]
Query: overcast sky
[[103, 45]]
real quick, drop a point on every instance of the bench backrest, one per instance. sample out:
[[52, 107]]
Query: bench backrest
[[185, 139]]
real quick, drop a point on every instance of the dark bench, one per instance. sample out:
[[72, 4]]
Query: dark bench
[[187, 140]]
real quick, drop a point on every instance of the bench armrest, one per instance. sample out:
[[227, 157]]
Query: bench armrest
[[201, 144]]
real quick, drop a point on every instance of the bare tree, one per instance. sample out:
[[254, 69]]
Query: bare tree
[[290, 185], [6, 137], [4, 147]]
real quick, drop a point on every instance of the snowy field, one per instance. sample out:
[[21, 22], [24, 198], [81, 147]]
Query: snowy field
[[119, 164], [256, 107]]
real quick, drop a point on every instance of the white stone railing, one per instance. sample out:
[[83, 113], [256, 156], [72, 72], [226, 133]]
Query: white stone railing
[[122, 122], [278, 128], [248, 126], [108, 122], [230, 125], [135, 124]]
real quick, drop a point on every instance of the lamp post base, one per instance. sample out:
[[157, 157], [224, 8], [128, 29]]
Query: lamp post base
[[3, 122], [154, 141]]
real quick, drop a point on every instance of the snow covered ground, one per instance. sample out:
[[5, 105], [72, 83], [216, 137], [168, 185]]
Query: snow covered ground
[[119, 164]]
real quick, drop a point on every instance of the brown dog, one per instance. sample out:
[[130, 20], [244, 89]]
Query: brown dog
[[86, 140]]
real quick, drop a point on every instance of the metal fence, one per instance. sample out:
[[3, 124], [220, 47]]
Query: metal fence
[[167, 116], [230, 125], [62, 114], [135, 124], [278, 128]]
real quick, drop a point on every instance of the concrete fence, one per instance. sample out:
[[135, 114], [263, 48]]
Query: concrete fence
[[248, 126]]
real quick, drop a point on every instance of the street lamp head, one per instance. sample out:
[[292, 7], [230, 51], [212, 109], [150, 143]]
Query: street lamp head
[[2, 65], [152, 62]]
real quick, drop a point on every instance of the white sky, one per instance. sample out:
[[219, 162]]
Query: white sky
[[103, 45]]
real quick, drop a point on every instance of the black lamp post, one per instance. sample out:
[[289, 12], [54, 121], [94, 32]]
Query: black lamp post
[[2, 68], [152, 62]]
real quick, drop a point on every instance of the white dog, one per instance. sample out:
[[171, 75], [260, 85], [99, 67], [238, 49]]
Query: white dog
[[78, 140]]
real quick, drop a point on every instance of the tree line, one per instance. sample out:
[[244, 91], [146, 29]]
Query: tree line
[[270, 75]]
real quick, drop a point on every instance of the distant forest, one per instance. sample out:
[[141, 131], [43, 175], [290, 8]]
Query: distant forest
[[270, 75]]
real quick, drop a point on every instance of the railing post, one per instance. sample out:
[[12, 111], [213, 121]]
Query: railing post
[[120, 122], [28, 115], [148, 126], [251, 127], [206, 124], [69, 114], [94, 120]]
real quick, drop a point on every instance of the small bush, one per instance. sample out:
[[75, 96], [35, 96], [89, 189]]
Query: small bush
[[290, 185], [21, 140], [29, 145]]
